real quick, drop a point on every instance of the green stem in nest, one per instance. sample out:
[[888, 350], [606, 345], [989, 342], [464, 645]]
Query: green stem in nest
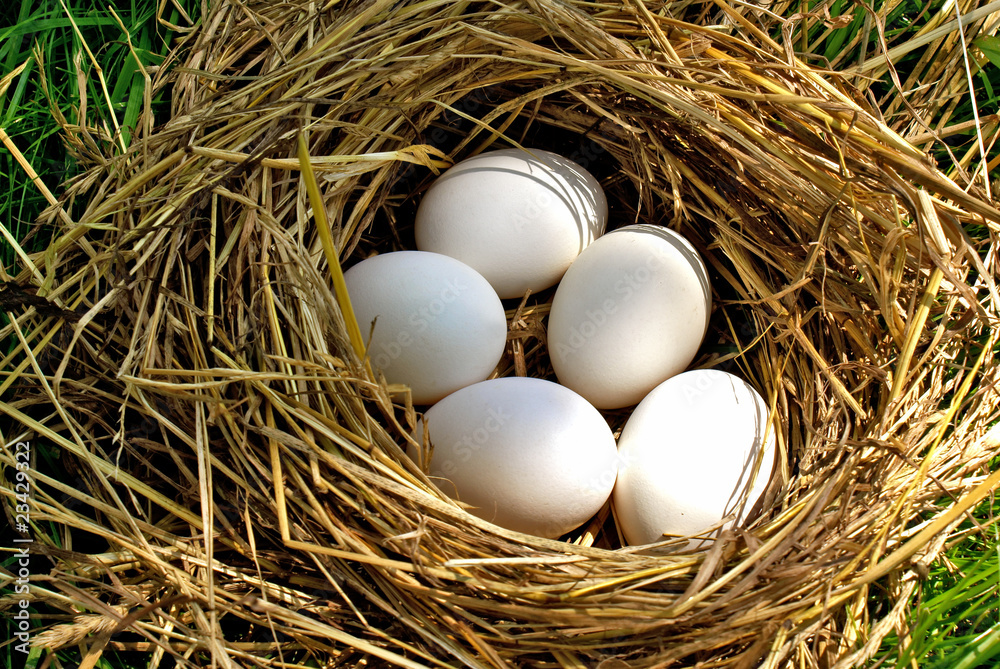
[[332, 259]]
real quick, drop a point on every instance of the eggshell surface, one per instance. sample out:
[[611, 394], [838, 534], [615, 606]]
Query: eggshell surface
[[629, 313], [527, 454], [519, 218], [438, 325], [688, 454]]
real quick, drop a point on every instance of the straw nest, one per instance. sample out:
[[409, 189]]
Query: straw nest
[[239, 495]]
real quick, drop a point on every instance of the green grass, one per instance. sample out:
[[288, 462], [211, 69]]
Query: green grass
[[59, 46], [954, 619], [850, 33]]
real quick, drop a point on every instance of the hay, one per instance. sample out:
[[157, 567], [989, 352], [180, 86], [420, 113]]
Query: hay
[[194, 368]]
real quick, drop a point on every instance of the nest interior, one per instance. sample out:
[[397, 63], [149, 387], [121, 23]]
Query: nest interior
[[241, 472]]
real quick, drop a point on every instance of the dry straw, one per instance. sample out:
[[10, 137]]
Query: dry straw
[[190, 358]]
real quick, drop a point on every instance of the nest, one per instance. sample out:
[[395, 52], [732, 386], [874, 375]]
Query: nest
[[239, 471]]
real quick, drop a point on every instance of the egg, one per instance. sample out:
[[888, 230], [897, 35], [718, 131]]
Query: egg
[[519, 218], [631, 311], [687, 457], [527, 454], [436, 325]]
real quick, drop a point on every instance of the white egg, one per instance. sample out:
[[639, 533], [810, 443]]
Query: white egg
[[436, 325], [527, 454], [518, 218], [688, 454], [629, 313]]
